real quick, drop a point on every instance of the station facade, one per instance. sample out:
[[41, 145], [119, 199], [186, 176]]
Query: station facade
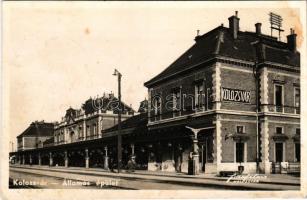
[[240, 92], [232, 99]]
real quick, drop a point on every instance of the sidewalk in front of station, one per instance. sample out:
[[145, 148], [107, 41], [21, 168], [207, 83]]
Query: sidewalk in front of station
[[271, 182]]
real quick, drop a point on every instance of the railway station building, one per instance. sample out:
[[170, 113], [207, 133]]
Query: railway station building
[[230, 102]]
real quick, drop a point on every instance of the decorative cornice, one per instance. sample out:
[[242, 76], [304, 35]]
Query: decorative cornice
[[228, 60]]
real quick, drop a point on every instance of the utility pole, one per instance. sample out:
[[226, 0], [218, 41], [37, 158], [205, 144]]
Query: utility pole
[[119, 137], [12, 146]]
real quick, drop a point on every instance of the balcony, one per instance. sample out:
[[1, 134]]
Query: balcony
[[188, 110], [282, 109], [91, 137]]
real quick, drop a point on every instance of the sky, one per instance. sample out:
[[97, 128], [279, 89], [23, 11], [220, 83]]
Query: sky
[[58, 54]]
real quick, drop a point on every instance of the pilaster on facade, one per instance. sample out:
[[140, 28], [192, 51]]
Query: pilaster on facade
[[264, 88], [264, 147], [218, 139], [216, 82], [87, 158]]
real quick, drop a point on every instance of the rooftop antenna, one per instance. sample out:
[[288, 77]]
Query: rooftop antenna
[[276, 23]]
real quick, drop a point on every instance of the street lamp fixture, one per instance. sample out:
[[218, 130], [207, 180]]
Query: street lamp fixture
[[119, 138]]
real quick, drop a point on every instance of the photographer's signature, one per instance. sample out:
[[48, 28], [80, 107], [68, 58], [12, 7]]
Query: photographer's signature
[[249, 178]]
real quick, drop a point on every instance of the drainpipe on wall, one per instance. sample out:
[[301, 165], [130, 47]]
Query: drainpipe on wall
[[256, 76]]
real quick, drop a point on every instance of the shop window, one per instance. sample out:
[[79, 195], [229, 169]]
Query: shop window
[[239, 152], [279, 130], [278, 98]]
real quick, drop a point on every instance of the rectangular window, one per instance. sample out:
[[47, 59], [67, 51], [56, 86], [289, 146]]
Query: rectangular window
[[199, 95], [240, 129], [94, 129], [80, 132], [157, 106], [239, 152], [278, 98], [176, 101], [87, 131], [298, 131], [279, 150], [278, 130], [297, 100], [207, 98], [297, 152]]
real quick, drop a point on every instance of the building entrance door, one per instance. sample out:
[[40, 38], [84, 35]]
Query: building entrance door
[[203, 155], [279, 152], [178, 159]]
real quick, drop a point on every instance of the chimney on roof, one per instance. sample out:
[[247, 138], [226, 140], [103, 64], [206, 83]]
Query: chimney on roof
[[197, 36], [291, 40], [111, 95], [234, 25], [258, 28]]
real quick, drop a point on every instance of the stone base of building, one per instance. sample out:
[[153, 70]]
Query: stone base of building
[[210, 168], [249, 167]]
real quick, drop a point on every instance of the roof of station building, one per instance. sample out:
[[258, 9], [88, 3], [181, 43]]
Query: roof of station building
[[138, 121], [38, 129], [219, 42]]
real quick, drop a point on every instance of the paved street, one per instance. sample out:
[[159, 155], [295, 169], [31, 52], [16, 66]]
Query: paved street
[[60, 177], [56, 179]]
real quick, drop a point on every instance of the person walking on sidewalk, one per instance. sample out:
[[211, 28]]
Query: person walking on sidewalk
[[111, 165], [131, 164]]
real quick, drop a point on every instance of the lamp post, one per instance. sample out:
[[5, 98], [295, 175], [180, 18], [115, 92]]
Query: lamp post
[[119, 138]]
